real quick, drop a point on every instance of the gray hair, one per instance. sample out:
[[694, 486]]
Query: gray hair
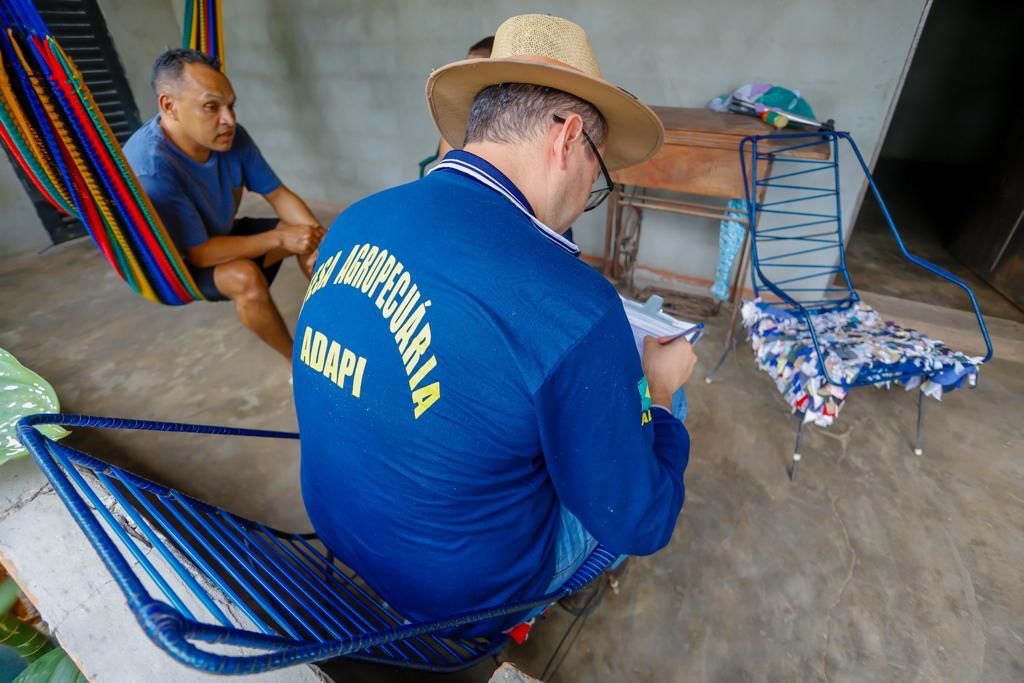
[[514, 112]]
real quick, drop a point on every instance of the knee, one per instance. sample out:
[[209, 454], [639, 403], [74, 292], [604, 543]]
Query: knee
[[241, 279]]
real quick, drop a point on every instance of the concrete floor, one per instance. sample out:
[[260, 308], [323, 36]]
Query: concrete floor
[[874, 565]]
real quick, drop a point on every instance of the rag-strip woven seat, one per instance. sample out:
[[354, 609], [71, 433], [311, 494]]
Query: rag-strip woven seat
[[809, 328], [859, 348]]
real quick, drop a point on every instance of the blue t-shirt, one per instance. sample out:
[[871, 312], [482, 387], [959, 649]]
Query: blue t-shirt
[[459, 376], [196, 201]]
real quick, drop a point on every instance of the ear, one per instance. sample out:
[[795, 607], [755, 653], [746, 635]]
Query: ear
[[166, 106], [566, 137]]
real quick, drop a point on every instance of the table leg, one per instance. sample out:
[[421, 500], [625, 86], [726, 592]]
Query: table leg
[[611, 228], [616, 272], [736, 300]]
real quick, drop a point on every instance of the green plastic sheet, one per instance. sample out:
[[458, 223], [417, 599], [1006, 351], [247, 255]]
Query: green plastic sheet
[[53, 667], [22, 392]]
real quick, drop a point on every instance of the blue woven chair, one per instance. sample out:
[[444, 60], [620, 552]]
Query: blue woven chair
[[810, 330], [194, 574]]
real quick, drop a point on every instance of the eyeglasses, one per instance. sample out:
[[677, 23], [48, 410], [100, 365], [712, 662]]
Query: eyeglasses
[[598, 194]]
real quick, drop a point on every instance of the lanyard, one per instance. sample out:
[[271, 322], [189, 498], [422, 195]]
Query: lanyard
[[468, 169]]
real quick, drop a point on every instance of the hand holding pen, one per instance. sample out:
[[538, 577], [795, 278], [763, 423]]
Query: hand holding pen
[[691, 334]]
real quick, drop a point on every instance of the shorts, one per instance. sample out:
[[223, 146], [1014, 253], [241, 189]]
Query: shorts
[[242, 227]]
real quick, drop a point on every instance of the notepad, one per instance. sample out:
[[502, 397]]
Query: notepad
[[648, 320]]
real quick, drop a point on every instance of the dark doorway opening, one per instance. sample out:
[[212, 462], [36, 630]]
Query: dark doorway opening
[[952, 166]]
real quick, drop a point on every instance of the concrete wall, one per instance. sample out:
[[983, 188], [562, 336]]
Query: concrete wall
[[142, 29], [333, 92], [20, 229]]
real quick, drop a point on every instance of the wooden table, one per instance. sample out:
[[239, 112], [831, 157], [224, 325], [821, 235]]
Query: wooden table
[[700, 158]]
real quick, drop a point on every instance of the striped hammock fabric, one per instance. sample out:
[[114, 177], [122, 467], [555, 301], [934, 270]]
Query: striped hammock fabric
[[57, 135], [202, 28]]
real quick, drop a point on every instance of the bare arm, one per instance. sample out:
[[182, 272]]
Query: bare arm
[[299, 232], [290, 208], [221, 249], [286, 238]]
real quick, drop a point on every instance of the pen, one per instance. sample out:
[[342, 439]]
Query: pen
[[695, 331]]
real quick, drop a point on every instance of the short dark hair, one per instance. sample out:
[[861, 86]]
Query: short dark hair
[[514, 112], [169, 66], [482, 44]]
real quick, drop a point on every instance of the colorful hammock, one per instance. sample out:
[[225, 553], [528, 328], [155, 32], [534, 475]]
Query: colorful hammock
[[57, 135], [203, 28]]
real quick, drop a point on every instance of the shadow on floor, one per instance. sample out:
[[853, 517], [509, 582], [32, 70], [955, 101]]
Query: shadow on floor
[[350, 671]]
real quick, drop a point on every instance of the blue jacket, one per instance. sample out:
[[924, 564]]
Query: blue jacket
[[459, 376]]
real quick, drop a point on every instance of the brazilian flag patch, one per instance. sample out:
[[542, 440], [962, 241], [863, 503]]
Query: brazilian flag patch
[[645, 395]]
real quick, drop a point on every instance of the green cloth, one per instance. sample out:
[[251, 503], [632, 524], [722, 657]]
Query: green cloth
[[22, 392], [53, 667], [785, 99]]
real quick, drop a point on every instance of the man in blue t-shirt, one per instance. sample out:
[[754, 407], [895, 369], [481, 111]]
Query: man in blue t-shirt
[[474, 415], [194, 160]]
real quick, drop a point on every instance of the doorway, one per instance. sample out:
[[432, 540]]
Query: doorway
[[951, 168]]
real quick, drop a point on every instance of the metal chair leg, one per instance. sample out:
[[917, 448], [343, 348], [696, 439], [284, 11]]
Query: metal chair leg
[[721, 361], [796, 450], [918, 450], [735, 325]]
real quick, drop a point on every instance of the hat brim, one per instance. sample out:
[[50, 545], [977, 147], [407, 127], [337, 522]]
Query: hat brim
[[635, 132]]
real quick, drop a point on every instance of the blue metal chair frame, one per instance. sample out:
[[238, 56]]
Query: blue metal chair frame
[[807, 238], [828, 239], [241, 583]]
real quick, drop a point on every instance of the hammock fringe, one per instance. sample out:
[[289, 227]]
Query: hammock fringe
[[57, 135]]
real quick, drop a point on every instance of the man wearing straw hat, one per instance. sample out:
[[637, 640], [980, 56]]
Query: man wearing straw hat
[[474, 416]]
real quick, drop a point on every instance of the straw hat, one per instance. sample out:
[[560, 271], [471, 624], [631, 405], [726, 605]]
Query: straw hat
[[540, 49]]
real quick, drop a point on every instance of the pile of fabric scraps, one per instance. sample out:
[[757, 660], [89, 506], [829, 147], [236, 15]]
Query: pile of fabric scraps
[[858, 347]]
